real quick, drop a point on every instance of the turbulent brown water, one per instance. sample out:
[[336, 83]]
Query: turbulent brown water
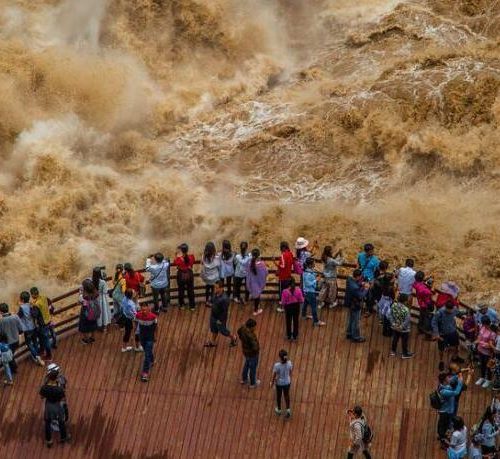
[[131, 126]]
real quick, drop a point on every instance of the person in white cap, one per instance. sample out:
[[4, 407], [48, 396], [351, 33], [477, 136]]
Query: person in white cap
[[303, 250], [55, 369]]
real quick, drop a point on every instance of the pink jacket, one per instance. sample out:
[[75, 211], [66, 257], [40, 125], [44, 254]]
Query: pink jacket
[[288, 298]]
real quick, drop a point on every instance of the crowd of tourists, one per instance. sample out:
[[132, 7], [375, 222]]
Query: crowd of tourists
[[304, 290]]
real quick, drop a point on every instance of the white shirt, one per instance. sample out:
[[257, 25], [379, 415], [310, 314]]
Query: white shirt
[[458, 440], [406, 279]]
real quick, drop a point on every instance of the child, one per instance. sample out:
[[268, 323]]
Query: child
[[6, 358], [282, 373], [147, 323], [310, 290], [475, 448]]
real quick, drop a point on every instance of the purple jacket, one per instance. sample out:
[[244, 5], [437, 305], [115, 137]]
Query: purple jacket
[[257, 282]]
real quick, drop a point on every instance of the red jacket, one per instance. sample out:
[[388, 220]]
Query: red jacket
[[285, 266], [133, 281], [182, 265]]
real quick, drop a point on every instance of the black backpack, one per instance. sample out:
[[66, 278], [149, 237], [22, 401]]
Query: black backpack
[[436, 400], [367, 434]]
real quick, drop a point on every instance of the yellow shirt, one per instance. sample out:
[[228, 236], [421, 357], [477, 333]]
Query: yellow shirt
[[43, 304]]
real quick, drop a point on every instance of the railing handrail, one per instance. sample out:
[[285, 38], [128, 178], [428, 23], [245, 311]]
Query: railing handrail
[[271, 291]]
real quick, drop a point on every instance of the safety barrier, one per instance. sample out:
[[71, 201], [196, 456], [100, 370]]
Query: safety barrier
[[270, 293]]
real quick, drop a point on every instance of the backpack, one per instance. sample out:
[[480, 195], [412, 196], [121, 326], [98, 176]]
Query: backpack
[[366, 432], [399, 314], [91, 310], [436, 400]]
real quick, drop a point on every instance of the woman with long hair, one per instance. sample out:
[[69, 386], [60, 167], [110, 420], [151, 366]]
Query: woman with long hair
[[210, 271], [256, 280], [282, 379], [227, 266], [89, 312], [241, 262], [101, 287], [488, 432], [328, 291], [185, 276]]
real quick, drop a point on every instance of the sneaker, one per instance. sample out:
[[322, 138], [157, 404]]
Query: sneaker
[[392, 354], [319, 323], [254, 386], [139, 349], [277, 411], [320, 306], [243, 382], [361, 339], [486, 384], [280, 309], [333, 305], [288, 413], [145, 377], [85, 341], [49, 444], [8, 382], [39, 361], [192, 309], [480, 382], [259, 311], [233, 343], [182, 307], [408, 356], [308, 317], [441, 366], [65, 440], [127, 349]]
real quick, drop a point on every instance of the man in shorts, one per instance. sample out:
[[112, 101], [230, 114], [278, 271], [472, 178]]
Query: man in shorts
[[444, 331], [219, 315]]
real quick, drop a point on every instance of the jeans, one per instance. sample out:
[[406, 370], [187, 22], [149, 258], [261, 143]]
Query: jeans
[[353, 318], [228, 283], [31, 341], [292, 320], [386, 326], [250, 367], [44, 339], [183, 285], [48, 430], [127, 325], [209, 291], [483, 362], [7, 371], [285, 391], [164, 294], [238, 283], [405, 336], [13, 363], [444, 423], [147, 345], [310, 299]]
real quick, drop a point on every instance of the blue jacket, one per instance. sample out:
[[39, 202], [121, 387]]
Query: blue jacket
[[449, 395], [159, 273], [128, 308], [368, 266], [489, 433], [443, 322], [354, 294], [309, 281]]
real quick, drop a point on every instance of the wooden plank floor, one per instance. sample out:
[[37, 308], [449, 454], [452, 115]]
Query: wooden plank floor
[[195, 407]]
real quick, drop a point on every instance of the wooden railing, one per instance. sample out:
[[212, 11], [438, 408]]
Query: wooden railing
[[67, 304]]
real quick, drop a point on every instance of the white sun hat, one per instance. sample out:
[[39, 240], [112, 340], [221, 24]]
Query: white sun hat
[[301, 243]]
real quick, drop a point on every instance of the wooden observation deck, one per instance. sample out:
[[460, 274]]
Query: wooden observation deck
[[194, 406]]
